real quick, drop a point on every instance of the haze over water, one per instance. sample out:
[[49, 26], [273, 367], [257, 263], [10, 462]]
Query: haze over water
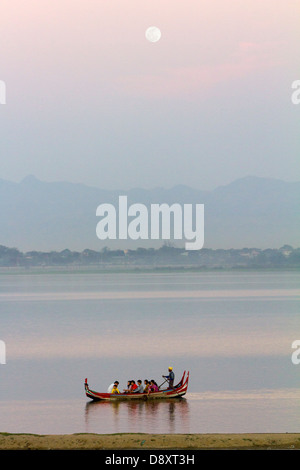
[[232, 330]]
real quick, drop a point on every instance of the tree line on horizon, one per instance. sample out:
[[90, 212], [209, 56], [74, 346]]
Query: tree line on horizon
[[166, 255]]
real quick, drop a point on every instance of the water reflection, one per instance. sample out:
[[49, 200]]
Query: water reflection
[[153, 416]]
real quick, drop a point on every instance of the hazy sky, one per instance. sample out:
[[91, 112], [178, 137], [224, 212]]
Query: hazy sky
[[90, 100]]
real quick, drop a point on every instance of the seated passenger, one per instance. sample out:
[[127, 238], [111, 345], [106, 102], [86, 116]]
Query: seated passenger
[[133, 386], [153, 386], [139, 388], [115, 389], [127, 390], [147, 385], [111, 386]]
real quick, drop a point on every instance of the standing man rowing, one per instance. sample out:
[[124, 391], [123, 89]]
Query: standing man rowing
[[170, 378]]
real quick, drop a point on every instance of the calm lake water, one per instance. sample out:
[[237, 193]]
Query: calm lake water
[[232, 330]]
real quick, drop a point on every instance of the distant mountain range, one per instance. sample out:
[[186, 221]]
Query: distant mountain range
[[249, 212]]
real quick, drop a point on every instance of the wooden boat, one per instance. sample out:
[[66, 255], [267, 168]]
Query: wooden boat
[[177, 391]]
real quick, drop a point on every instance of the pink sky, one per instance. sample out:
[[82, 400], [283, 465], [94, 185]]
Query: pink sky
[[69, 64], [199, 38]]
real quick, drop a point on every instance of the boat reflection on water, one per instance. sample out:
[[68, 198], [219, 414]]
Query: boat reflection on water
[[153, 416]]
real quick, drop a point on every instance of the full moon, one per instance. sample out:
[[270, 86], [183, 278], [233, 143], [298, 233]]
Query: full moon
[[153, 34]]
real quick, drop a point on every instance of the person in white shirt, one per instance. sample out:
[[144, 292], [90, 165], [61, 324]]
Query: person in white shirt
[[109, 390]]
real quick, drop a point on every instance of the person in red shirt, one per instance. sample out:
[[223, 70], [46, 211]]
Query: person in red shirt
[[133, 386]]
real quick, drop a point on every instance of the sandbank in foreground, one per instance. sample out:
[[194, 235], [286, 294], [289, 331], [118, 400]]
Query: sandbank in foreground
[[148, 441]]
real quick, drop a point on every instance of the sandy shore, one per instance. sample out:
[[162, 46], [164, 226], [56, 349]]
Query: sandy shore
[[148, 441]]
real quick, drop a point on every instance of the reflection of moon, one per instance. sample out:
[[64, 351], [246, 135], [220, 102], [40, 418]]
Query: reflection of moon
[[153, 34]]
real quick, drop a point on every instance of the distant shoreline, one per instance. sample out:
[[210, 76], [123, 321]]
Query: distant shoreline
[[138, 269], [165, 258], [122, 441]]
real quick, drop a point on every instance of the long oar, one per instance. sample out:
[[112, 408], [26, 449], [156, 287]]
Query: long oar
[[162, 383]]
